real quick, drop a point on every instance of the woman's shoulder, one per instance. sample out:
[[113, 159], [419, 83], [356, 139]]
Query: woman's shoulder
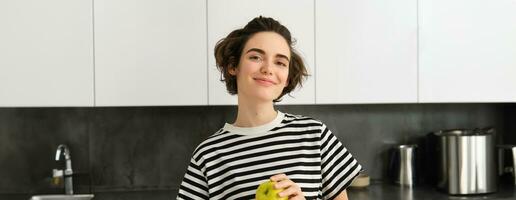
[[302, 122], [296, 118]]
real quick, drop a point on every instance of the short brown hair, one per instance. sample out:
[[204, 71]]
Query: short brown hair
[[229, 49]]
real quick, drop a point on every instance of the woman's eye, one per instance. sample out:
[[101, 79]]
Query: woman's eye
[[254, 57], [282, 64]]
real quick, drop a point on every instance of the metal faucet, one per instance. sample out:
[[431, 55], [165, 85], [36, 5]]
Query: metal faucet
[[68, 185]]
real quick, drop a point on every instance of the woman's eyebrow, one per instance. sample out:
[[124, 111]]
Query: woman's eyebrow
[[263, 52], [257, 50]]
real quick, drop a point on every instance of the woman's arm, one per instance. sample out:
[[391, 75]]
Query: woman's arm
[[342, 196]]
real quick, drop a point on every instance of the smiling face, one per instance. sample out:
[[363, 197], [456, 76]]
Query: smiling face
[[262, 72]]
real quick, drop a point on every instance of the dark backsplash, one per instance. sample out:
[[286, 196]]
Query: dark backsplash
[[144, 151]]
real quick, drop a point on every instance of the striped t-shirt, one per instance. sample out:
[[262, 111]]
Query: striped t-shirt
[[231, 163]]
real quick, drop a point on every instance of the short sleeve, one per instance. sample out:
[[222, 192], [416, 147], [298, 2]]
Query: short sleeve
[[338, 166], [194, 184]]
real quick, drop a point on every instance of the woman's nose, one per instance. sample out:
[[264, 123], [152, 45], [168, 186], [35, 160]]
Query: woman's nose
[[266, 68]]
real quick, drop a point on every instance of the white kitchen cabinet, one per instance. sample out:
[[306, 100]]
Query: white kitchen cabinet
[[150, 53], [366, 51], [225, 16], [46, 53], [467, 51]]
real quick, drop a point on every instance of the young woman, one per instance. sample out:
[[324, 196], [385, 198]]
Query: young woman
[[298, 153]]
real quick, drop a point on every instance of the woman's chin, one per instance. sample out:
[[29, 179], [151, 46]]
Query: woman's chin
[[260, 96], [264, 98]]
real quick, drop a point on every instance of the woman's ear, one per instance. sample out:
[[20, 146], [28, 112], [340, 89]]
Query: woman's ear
[[232, 70]]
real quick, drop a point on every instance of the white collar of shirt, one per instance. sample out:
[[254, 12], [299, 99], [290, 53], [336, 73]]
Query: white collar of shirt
[[255, 129]]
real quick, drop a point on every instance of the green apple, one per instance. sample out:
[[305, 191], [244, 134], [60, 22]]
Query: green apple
[[266, 191]]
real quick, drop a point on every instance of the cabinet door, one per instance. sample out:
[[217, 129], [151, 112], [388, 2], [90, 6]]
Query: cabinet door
[[366, 51], [225, 16], [467, 51], [150, 52], [46, 53]]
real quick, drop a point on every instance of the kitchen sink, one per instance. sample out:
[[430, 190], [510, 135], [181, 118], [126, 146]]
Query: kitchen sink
[[62, 197]]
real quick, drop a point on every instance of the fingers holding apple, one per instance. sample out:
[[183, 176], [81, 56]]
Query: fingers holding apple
[[266, 191], [289, 188]]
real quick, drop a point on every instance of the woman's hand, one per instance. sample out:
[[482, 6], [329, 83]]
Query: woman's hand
[[290, 189]]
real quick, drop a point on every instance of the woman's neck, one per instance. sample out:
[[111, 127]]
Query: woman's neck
[[251, 114]]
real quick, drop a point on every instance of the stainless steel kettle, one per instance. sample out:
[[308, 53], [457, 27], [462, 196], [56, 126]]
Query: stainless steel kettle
[[466, 161]]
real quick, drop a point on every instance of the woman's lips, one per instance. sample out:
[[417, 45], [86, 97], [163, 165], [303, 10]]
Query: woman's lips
[[265, 82]]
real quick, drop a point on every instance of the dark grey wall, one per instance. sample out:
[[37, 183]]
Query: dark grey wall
[[142, 152]]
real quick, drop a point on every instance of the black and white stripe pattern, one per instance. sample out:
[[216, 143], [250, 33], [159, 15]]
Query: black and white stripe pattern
[[229, 165]]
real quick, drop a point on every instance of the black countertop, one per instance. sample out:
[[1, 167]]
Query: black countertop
[[379, 191]]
